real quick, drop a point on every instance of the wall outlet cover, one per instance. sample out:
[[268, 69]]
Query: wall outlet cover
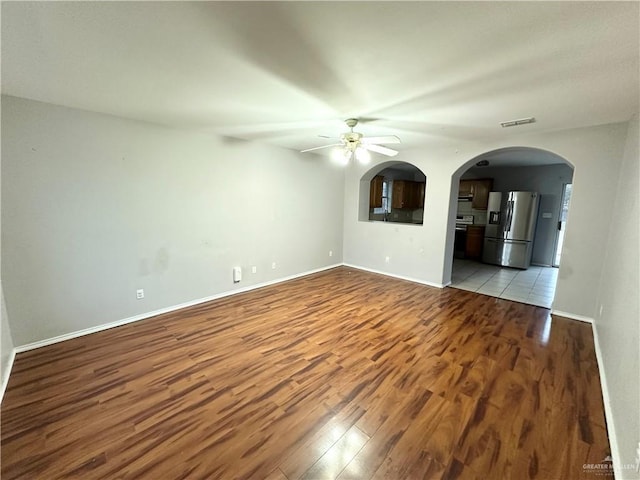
[[237, 274]]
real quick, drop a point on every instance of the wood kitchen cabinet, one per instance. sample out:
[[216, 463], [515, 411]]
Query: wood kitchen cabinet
[[399, 196], [466, 188], [481, 189], [375, 192], [475, 240], [420, 191], [478, 190], [407, 194]]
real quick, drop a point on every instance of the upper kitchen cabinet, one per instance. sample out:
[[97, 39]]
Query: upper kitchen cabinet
[[375, 192], [407, 194], [481, 189], [466, 188], [422, 186], [477, 190]]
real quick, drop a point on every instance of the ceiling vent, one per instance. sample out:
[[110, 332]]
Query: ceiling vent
[[521, 121]]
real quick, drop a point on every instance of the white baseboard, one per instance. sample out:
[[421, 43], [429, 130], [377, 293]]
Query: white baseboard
[[401, 277], [6, 373], [572, 316], [143, 316], [611, 432]]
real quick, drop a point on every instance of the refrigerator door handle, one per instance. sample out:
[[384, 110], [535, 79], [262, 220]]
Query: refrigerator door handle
[[511, 214], [507, 223]]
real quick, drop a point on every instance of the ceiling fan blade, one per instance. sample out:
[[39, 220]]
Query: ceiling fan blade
[[380, 149], [385, 139], [318, 148]]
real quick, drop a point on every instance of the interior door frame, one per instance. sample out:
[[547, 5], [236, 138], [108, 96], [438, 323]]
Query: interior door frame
[[560, 227]]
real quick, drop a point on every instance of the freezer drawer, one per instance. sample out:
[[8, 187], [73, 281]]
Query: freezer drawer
[[507, 253], [492, 251]]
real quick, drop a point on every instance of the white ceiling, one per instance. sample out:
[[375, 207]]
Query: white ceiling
[[429, 72]]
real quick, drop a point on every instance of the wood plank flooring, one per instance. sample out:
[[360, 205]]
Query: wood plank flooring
[[339, 375]]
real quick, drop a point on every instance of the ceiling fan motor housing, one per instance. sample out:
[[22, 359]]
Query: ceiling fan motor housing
[[351, 140]]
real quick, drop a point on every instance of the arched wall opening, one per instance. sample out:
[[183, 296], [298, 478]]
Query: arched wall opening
[[516, 168], [392, 191]]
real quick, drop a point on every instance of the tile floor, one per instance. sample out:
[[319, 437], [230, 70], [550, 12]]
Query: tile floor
[[535, 286]]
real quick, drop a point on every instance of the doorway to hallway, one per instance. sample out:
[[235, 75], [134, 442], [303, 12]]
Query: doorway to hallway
[[562, 222]]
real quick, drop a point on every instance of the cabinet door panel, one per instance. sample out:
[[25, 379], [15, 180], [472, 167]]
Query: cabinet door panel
[[475, 238], [466, 188], [481, 191], [407, 194], [375, 192], [399, 192]]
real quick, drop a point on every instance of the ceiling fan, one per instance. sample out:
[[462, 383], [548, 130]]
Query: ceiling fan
[[355, 144]]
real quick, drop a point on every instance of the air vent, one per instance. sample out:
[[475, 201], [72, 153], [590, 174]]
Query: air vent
[[521, 121]]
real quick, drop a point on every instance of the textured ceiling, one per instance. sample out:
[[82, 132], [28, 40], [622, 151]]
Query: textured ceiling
[[283, 73]]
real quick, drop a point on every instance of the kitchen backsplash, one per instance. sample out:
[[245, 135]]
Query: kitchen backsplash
[[479, 216]]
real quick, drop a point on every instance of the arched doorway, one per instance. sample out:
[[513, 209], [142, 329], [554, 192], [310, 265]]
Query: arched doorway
[[507, 244]]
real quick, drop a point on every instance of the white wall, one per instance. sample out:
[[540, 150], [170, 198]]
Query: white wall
[[425, 252], [95, 207], [6, 339], [618, 326]]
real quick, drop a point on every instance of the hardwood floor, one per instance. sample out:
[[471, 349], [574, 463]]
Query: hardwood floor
[[342, 374]]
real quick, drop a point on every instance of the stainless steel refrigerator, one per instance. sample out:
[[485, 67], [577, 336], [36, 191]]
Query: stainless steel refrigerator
[[508, 236]]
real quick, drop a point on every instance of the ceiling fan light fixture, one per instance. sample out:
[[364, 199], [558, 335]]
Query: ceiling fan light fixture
[[340, 156], [362, 155]]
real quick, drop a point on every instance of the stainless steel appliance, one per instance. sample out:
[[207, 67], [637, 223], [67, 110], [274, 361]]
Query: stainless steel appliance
[[462, 221], [508, 237]]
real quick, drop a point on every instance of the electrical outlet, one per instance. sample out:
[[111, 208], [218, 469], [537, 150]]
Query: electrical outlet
[[140, 293], [254, 269], [600, 310], [273, 265], [237, 274], [638, 458], [331, 253], [386, 259]]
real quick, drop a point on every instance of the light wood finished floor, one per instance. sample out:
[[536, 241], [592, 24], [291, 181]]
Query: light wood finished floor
[[342, 374]]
